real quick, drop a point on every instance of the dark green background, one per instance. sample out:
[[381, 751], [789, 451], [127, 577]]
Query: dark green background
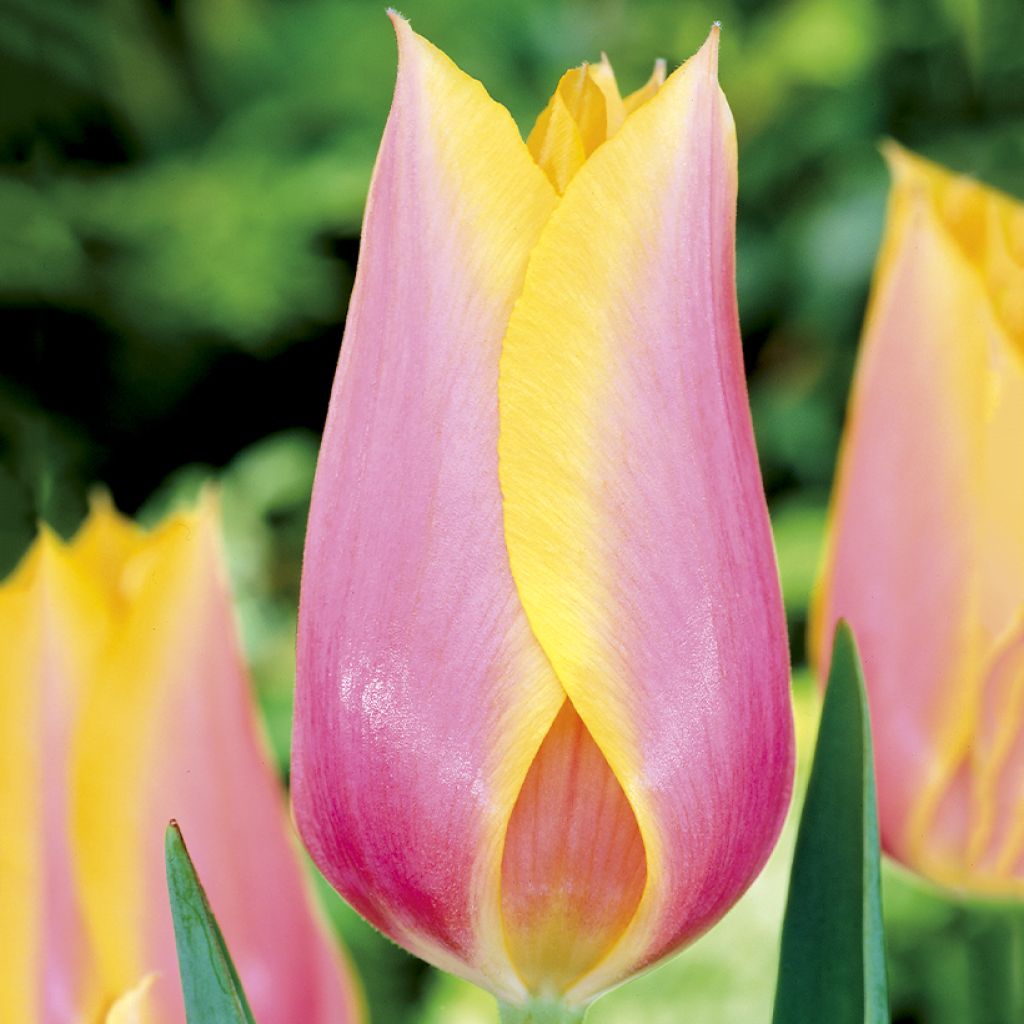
[[181, 184]]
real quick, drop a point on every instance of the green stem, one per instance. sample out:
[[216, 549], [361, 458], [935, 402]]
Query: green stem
[[995, 959], [540, 1013]]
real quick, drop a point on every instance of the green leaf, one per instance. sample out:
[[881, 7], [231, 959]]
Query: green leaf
[[213, 992], [994, 940], [832, 965]]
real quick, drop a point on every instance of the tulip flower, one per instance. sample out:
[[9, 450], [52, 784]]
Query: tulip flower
[[926, 553], [124, 702], [543, 736]]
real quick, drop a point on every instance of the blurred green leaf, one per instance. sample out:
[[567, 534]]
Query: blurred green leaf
[[994, 939], [799, 530], [832, 962], [209, 981]]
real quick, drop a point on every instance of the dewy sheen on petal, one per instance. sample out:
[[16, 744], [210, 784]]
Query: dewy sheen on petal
[[634, 515]]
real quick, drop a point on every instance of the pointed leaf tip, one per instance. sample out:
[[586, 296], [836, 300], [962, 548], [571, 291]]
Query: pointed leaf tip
[[832, 963], [210, 984]]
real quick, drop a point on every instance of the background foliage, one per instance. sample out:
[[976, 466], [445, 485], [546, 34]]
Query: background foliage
[[181, 185]]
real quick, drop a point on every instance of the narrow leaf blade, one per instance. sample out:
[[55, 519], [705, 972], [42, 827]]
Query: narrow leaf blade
[[213, 992], [832, 964]]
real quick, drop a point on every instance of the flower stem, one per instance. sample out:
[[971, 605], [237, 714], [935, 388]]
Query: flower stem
[[540, 1013]]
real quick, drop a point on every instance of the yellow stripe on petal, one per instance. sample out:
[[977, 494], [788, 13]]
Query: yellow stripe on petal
[[119, 727], [21, 868], [634, 515], [54, 622]]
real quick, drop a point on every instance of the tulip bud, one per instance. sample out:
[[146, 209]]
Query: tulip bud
[[123, 703], [926, 549], [543, 736]]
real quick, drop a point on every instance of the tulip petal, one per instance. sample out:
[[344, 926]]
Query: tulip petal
[[573, 867], [52, 623], [21, 857], [926, 553], [571, 126], [421, 694], [603, 76], [635, 519], [167, 731]]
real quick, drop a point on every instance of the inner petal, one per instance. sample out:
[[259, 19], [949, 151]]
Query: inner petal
[[570, 128], [574, 866], [585, 110]]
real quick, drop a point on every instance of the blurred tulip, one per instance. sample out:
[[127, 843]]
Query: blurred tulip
[[543, 735], [926, 553], [123, 703]]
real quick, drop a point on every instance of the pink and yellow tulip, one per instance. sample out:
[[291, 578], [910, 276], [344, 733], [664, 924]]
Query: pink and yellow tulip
[[123, 703], [543, 736], [926, 553]]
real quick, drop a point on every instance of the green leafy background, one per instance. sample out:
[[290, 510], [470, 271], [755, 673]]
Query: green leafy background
[[181, 185]]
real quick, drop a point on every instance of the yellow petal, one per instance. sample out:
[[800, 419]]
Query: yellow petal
[[118, 728], [54, 621], [570, 128], [20, 853], [603, 76]]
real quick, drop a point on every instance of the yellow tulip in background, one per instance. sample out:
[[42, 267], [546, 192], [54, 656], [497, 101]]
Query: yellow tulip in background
[[124, 702], [926, 553]]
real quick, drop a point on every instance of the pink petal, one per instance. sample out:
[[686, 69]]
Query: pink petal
[[926, 553], [422, 696]]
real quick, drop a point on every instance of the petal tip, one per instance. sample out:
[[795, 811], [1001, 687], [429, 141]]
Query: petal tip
[[710, 48], [897, 157], [401, 25]]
